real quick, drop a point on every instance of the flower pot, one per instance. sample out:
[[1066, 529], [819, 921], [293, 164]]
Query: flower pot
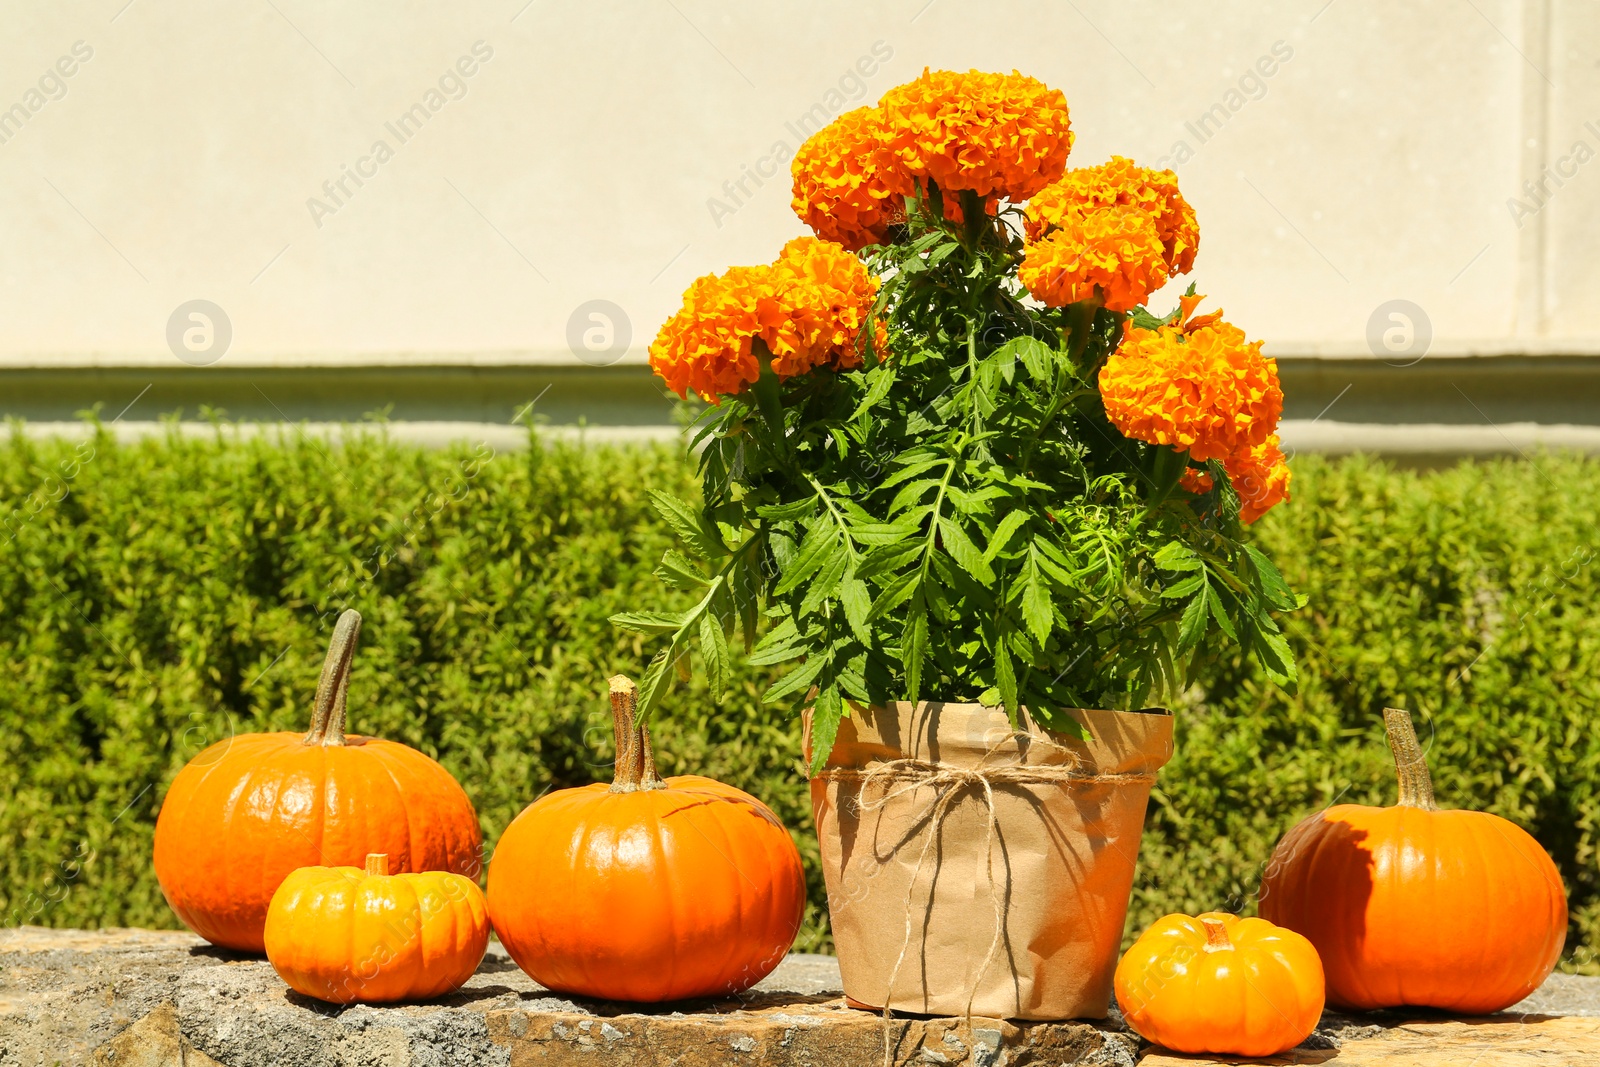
[[974, 869]]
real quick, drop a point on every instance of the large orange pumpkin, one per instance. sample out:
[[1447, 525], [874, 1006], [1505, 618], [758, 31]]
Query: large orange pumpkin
[[246, 811], [345, 934], [1411, 906], [646, 890], [1221, 984]]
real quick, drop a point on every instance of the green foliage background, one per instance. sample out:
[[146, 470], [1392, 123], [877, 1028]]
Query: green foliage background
[[161, 595]]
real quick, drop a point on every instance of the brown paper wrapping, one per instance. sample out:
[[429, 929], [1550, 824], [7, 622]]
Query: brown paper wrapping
[[1063, 855]]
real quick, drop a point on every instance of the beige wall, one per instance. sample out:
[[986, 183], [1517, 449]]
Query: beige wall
[[1376, 162]]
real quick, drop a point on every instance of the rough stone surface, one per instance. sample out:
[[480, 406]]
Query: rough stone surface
[[158, 999], [153, 998], [1496, 1041]]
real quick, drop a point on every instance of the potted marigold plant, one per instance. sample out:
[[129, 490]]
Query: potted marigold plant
[[989, 509]]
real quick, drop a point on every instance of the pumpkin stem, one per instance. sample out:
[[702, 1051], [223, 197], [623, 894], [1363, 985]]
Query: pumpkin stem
[[1216, 935], [327, 715], [1411, 767], [648, 777], [378, 864], [624, 699], [636, 763]]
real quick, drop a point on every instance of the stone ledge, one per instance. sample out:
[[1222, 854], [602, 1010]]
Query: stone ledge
[[141, 998]]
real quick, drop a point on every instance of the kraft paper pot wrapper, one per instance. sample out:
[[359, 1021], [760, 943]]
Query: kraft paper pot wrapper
[[905, 837]]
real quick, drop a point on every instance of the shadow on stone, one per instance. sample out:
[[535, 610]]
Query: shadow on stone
[[496, 965], [225, 955], [549, 1000], [461, 998], [326, 1009], [472, 995]]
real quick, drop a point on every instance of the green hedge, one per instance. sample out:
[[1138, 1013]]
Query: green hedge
[[161, 595]]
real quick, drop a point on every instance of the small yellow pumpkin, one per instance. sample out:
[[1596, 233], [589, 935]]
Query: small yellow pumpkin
[[1220, 984], [345, 934]]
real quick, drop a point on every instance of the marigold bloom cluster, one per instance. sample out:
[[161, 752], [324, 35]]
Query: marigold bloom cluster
[[837, 191], [1260, 477], [827, 294], [1115, 253], [706, 346], [999, 135], [1117, 229], [806, 308], [1207, 392], [994, 134], [1198, 386], [1120, 182]]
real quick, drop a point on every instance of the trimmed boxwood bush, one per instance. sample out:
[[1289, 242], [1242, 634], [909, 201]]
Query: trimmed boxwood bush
[[163, 594]]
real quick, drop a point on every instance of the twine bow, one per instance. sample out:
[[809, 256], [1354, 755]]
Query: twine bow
[[951, 783]]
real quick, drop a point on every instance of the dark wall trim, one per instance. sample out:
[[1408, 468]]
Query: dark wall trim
[[613, 396], [1462, 391], [1468, 391]]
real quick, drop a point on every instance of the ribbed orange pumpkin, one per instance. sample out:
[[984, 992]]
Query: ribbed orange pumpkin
[[346, 934], [1411, 906], [646, 890], [245, 812], [1221, 984]]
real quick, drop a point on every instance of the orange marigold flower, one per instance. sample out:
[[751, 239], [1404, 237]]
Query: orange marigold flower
[[994, 134], [1207, 391], [1120, 182], [806, 309], [837, 192], [1194, 481], [1115, 252], [706, 346], [1260, 477], [828, 295]]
